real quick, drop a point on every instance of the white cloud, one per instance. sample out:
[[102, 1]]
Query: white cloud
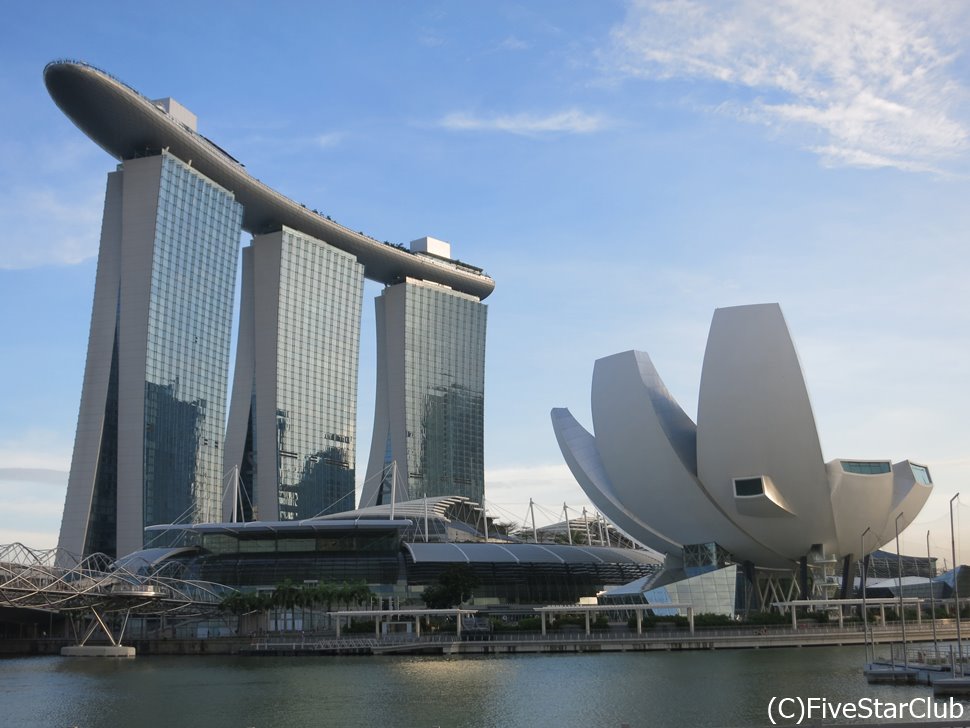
[[511, 43], [33, 475], [430, 39], [330, 139], [873, 81], [33, 500], [508, 490], [38, 540], [570, 121], [49, 226], [36, 450]]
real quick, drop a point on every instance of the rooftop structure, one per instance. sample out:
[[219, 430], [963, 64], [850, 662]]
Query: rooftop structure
[[127, 125], [450, 518], [349, 547]]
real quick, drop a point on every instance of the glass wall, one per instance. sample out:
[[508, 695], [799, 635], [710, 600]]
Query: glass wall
[[189, 325], [444, 382], [318, 330]]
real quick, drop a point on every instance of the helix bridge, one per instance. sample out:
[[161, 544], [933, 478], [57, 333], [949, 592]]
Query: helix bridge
[[98, 591]]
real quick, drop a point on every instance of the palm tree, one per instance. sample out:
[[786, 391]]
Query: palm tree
[[360, 593], [309, 597], [331, 593], [285, 597]]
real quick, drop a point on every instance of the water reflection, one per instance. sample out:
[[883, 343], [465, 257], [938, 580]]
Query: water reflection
[[726, 688]]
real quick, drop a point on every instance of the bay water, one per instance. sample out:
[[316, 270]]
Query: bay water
[[706, 688]]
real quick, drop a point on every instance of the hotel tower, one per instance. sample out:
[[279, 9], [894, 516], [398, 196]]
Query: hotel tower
[[153, 445]]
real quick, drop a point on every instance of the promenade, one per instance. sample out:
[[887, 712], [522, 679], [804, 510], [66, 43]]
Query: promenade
[[565, 641], [483, 643]]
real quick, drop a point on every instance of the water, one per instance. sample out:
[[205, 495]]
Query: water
[[722, 688]]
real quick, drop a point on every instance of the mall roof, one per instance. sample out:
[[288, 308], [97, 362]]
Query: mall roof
[[524, 553], [284, 527], [442, 506]]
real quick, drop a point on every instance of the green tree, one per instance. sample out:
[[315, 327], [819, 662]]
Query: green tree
[[454, 585], [285, 597]]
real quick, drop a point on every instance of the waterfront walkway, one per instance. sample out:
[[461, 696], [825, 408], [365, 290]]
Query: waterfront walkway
[[597, 641]]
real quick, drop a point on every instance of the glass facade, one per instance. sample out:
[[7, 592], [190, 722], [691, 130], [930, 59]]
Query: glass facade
[[193, 275], [700, 558], [320, 295], [922, 474], [710, 593], [293, 427], [859, 467], [163, 303], [444, 392], [103, 520]]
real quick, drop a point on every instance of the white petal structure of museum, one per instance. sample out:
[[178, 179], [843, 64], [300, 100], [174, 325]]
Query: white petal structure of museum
[[747, 482]]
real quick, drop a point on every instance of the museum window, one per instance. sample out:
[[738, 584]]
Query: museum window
[[745, 487]]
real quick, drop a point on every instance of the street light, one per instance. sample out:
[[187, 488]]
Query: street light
[[956, 583], [865, 612], [936, 646], [902, 614]]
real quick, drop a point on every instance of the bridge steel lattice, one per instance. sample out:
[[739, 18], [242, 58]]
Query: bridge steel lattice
[[96, 586]]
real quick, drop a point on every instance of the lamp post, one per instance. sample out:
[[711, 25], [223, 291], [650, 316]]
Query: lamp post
[[956, 583], [862, 578], [936, 646], [902, 613]]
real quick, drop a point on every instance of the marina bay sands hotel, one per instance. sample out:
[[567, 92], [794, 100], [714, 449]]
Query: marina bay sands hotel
[[153, 445]]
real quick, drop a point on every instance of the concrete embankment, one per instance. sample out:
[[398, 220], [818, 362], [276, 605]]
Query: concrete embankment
[[500, 643]]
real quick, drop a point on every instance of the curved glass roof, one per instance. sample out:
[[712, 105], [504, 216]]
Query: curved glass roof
[[524, 553]]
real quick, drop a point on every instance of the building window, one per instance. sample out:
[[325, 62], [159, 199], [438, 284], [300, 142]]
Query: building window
[[859, 467], [745, 487], [922, 474]]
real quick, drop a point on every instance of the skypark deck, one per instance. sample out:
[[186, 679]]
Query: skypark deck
[[128, 125]]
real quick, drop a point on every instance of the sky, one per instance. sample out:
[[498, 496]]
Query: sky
[[621, 169]]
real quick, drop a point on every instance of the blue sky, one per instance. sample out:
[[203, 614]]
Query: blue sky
[[621, 169]]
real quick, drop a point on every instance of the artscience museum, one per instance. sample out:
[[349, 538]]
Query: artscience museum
[[747, 483]]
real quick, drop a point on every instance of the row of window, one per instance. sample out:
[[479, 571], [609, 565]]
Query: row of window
[[860, 467]]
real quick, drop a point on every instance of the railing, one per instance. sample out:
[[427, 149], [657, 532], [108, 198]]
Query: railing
[[939, 657], [618, 635], [349, 643]]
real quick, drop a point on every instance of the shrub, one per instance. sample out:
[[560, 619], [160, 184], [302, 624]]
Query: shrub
[[765, 618], [529, 624], [708, 619]]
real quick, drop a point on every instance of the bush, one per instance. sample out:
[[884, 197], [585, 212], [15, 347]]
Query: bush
[[529, 624], [766, 618], [652, 622], [360, 626], [714, 620], [569, 620]]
